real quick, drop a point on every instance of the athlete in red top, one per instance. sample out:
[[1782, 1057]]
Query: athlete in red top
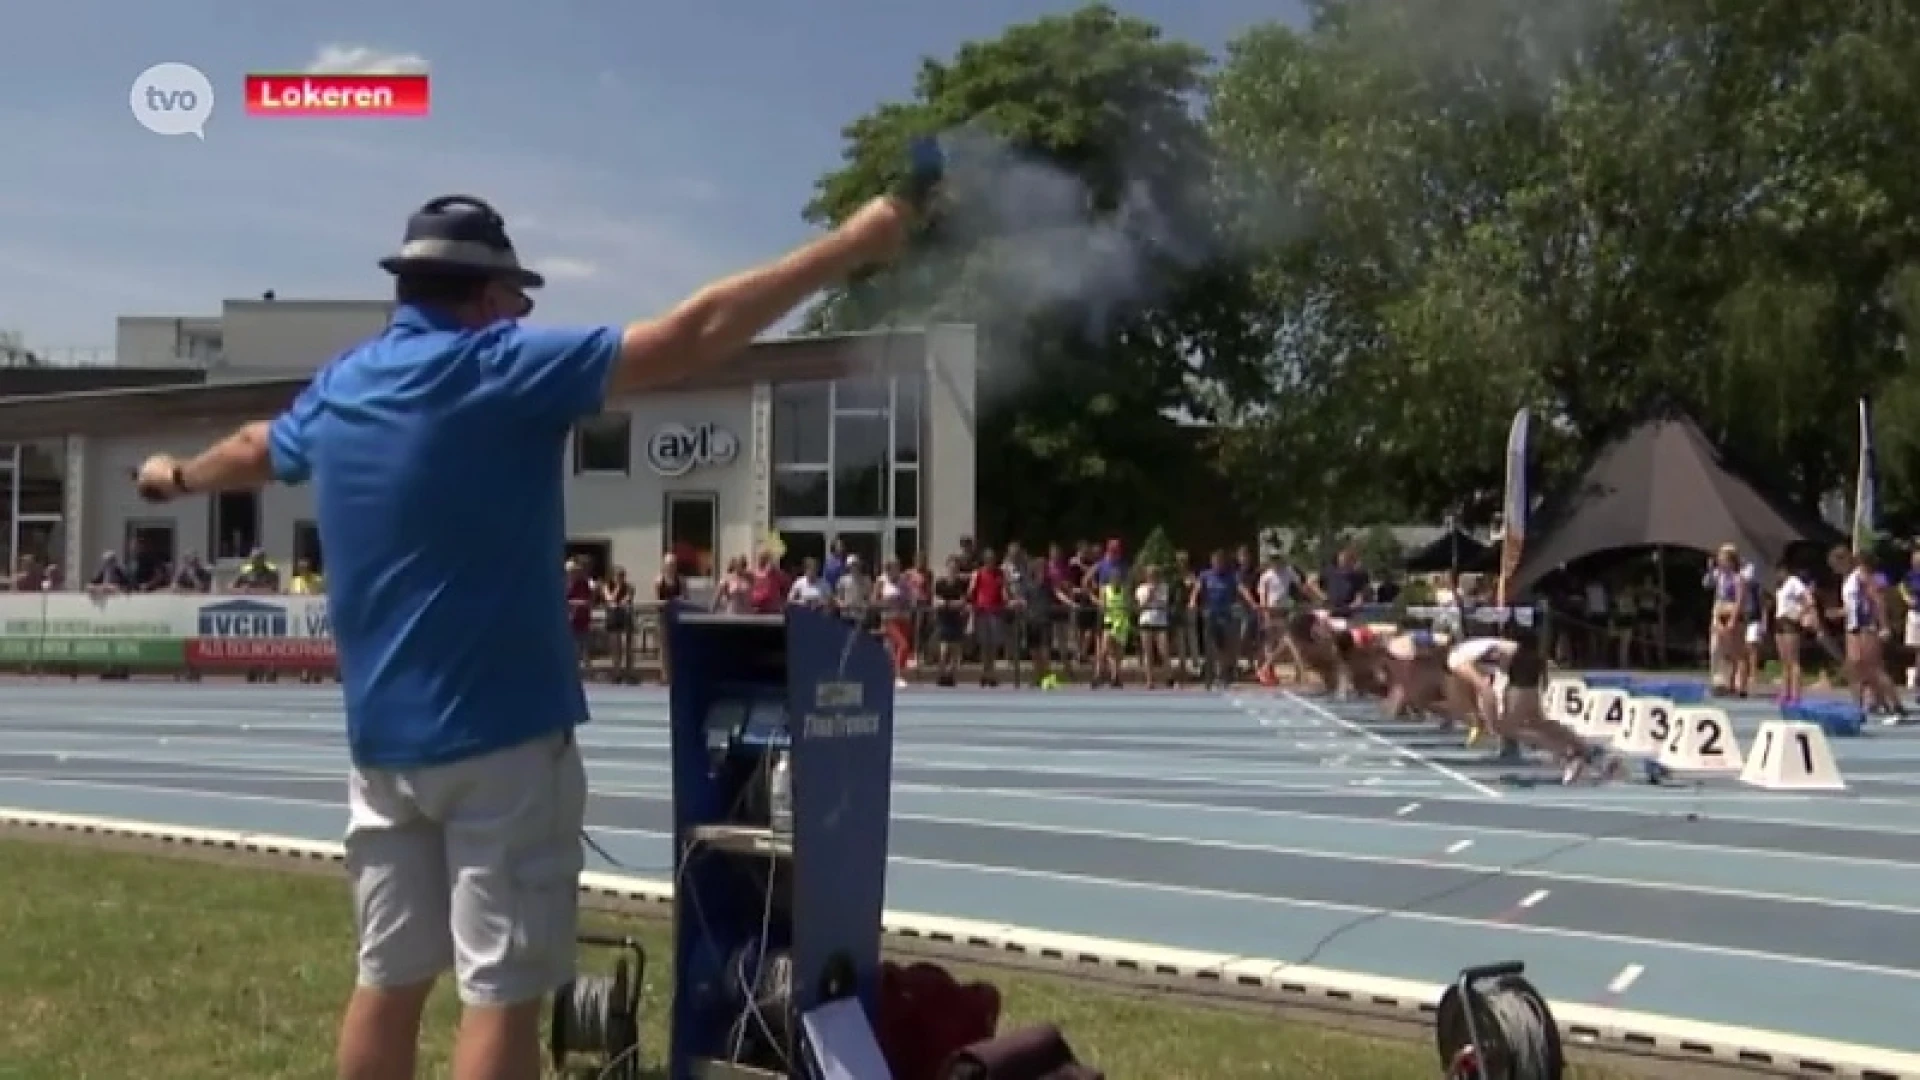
[[987, 594]]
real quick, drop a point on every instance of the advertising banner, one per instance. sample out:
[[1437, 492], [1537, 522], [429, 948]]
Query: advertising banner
[[167, 629], [93, 652], [275, 633]]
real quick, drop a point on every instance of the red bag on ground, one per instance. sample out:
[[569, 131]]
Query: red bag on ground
[[926, 1017]]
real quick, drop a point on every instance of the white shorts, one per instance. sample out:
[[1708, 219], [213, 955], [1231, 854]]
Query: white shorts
[[1755, 632], [1913, 628], [473, 865]]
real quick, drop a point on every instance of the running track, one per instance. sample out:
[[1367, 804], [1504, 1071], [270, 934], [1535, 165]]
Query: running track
[[1258, 824]]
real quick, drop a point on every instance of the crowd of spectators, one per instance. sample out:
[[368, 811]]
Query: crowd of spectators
[[1085, 612], [137, 570]]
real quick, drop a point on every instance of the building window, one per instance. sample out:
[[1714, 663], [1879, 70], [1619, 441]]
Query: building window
[[693, 532], [906, 494], [594, 555], [41, 537], [853, 394], [802, 423], [151, 539], [801, 492], [800, 545], [908, 418], [42, 477], [603, 444], [235, 527], [306, 546], [860, 465], [906, 546], [864, 544], [845, 465]]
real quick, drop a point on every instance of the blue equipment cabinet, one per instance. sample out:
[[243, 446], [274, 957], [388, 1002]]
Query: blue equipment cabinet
[[782, 735]]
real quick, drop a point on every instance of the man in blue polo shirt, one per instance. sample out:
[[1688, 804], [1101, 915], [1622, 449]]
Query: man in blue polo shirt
[[435, 452]]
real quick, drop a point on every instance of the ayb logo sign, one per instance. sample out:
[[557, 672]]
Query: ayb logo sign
[[676, 449], [259, 619]]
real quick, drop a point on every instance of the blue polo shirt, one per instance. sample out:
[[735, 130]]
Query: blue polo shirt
[[1219, 591], [436, 456]]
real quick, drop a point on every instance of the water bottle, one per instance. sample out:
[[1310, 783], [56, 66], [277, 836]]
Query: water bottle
[[780, 794]]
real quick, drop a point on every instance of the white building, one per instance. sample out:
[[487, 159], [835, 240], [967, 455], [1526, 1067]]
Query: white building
[[867, 438]]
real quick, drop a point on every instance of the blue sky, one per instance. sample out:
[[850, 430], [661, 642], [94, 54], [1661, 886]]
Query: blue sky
[[636, 149]]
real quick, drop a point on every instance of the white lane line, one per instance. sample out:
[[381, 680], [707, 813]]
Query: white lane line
[[1627, 977], [1533, 898], [1384, 914], [1392, 747], [1407, 809]]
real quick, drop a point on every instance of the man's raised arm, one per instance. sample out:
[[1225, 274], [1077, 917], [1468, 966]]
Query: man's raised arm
[[724, 317]]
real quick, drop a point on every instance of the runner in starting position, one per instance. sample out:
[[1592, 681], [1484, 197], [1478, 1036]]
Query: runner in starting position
[[1312, 640], [1501, 681], [1363, 660], [1416, 668]]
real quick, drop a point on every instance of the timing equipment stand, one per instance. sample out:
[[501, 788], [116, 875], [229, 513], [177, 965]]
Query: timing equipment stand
[[782, 733]]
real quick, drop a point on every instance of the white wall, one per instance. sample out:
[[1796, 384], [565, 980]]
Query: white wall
[[256, 338], [629, 510], [160, 341], [110, 502], [949, 465], [283, 337]]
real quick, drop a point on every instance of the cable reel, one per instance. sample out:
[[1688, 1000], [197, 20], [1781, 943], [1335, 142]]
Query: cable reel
[[598, 1016], [1493, 1025]]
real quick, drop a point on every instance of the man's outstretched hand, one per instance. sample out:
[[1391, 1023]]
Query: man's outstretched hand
[[158, 478]]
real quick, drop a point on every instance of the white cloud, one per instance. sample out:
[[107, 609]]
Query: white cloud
[[365, 60], [564, 268]]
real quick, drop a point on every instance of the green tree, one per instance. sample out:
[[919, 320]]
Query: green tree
[[1156, 550], [1079, 234], [1585, 209]]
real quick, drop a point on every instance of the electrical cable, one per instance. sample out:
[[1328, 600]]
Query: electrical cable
[[1499, 1028]]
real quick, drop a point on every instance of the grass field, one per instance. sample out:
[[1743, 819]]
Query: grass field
[[115, 964]]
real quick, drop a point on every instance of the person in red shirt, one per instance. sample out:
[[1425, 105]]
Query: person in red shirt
[[580, 597], [769, 593], [987, 595]]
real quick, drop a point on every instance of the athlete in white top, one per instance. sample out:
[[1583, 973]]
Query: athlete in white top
[[1792, 605], [1274, 591], [1501, 681]]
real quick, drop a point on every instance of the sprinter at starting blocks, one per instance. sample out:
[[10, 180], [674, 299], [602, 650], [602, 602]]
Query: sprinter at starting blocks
[[1416, 671], [1475, 671]]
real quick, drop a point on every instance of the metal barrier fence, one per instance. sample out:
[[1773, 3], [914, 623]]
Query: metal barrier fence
[[270, 637]]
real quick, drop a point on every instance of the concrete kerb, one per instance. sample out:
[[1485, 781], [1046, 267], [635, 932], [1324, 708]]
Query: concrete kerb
[[1595, 1026]]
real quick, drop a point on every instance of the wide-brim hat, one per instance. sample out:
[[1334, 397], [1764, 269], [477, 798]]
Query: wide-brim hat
[[460, 234]]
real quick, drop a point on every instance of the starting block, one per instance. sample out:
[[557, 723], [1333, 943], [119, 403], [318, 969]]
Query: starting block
[[1649, 725], [1702, 741], [1608, 681], [1838, 719], [1603, 714], [1565, 699], [1791, 756]]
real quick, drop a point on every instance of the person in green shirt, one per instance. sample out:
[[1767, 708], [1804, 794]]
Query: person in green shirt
[[1116, 631]]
